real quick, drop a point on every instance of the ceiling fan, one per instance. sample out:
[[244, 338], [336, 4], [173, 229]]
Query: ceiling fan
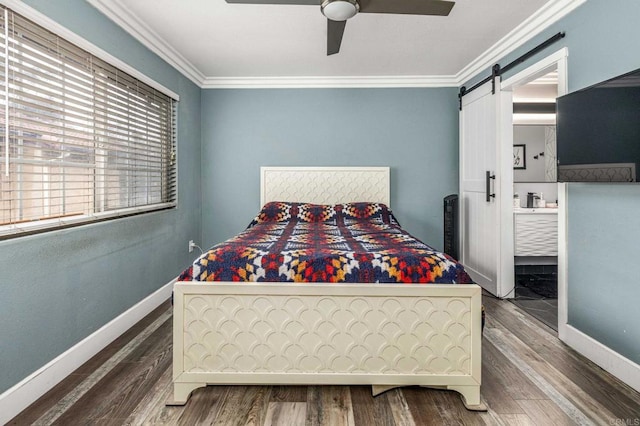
[[338, 11]]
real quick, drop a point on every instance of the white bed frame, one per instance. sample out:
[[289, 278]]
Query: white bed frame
[[384, 335]]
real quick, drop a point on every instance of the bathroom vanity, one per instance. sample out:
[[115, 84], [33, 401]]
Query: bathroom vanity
[[536, 232]]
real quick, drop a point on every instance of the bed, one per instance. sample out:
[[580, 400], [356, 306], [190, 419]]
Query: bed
[[396, 333]]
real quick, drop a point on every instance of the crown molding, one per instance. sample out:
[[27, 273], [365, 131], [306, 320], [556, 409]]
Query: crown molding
[[550, 13], [328, 82], [120, 15], [547, 15], [43, 20]]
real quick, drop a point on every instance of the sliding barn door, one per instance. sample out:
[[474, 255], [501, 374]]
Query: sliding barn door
[[481, 153]]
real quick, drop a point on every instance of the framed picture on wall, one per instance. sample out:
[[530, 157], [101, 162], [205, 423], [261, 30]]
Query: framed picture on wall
[[520, 157]]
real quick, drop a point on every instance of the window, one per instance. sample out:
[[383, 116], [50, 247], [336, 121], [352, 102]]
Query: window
[[80, 140]]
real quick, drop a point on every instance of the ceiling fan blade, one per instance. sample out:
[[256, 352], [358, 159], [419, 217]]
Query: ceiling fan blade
[[304, 2], [335, 30], [407, 7]]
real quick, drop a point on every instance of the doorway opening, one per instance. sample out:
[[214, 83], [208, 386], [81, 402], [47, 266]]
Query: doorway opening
[[535, 189]]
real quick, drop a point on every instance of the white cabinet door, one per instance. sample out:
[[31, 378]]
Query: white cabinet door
[[480, 215], [536, 234]]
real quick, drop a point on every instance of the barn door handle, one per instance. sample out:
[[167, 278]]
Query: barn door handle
[[488, 190]]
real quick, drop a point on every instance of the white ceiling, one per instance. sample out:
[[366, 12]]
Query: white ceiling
[[217, 44]]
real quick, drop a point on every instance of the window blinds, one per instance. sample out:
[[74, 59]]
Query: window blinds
[[80, 140]]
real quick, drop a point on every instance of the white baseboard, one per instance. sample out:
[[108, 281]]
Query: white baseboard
[[611, 361], [32, 387]]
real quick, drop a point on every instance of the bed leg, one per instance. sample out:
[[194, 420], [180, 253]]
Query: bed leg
[[182, 392], [378, 389], [470, 397]]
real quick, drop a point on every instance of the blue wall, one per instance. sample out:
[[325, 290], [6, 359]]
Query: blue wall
[[603, 38], [415, 131], [604, 271], [59, 287]]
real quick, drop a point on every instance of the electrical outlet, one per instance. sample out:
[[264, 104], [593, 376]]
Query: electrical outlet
[[191, 245]]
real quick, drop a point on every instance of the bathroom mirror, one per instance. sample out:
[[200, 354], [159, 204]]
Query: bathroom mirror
[[539, 142]]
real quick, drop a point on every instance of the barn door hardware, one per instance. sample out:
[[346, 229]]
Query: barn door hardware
[[497, 71]]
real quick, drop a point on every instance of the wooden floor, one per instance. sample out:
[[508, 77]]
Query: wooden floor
[[528, 378]]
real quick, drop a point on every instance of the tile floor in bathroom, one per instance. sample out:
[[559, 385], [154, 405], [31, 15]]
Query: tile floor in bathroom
[[537, 292]]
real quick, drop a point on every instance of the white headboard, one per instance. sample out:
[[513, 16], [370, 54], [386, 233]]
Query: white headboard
[[325, 185]]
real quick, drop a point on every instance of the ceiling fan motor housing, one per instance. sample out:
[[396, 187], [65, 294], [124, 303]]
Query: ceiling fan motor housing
[[339, 10]]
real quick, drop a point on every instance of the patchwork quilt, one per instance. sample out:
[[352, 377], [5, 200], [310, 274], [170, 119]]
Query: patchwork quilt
[[296, 242]]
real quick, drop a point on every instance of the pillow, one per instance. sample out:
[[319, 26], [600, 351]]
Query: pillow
[[365, 210], [315, 212], [277, 211], [274, 211]]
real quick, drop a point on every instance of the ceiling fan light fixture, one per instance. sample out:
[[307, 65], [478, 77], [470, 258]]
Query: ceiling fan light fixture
[[339, 10]]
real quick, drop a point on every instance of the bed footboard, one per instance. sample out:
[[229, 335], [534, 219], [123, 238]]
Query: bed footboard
[[381, 335]]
